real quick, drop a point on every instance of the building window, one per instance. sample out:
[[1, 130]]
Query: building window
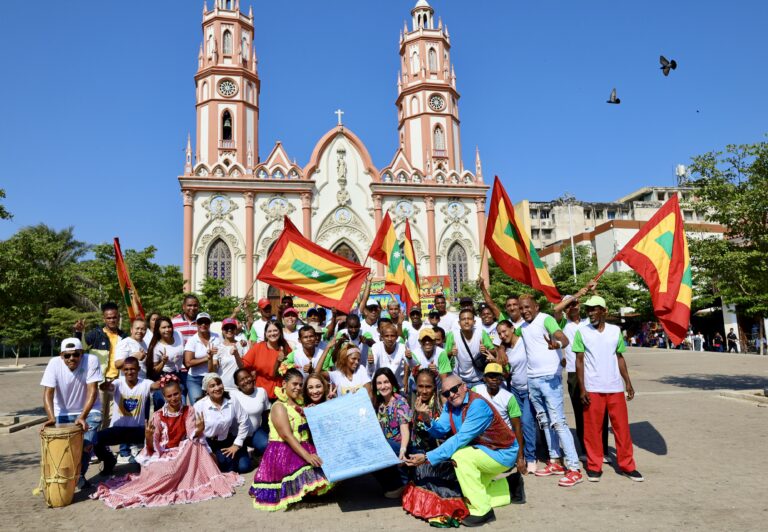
[[534, 214], [227, 42], [347, 252], [457, 266], [587, 214], [688, 216], [439, 141], [226, 126], [415, 65], [660, 196], [220, 264], [598, 215], [611, 215], [546, 234], [432, 60], [414, 106], [545, 215]]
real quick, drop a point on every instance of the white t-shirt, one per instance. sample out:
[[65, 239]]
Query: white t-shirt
[[175, 353], [449, 322], [601, 366], [129, 404], [301, 359], [360, 345], [413, 334], [292, 338], [491, 331], [196, 345], [228, 364], [464, 368], [370, 330], [500, 401], [518, 365], [344, 385], [254, 405], [128, 347], [395, 361], [257, 330], [542, 361], [570, 332], [72, 386]]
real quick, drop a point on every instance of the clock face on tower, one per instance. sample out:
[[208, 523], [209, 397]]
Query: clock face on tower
[[227, 88], [436, 102]]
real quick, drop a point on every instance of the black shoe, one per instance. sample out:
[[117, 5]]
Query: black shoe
[[479, 520], [633, 475], [516, 488], [594, 476], [108, 465]]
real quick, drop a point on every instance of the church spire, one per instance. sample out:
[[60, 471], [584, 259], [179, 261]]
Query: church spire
[[478, 166], [188, 157]]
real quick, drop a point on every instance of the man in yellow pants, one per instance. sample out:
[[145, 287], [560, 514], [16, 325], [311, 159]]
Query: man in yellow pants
[[481, 445]]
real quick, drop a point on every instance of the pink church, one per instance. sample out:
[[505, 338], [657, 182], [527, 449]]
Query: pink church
[[234, 200]]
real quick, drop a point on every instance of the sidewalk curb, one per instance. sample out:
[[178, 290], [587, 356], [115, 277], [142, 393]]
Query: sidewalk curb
[[755, 396], [29, 422]]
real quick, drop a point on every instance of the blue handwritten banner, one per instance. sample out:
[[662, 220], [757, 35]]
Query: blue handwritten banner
[[348, 437]]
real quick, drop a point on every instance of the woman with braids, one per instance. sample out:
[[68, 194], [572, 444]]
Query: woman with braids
[[290, 468], [350, 375], [434, 493], [176, 462]]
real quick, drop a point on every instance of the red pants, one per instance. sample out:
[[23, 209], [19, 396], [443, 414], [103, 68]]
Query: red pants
[[593, 427]]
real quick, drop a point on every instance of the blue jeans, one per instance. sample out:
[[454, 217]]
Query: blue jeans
[[527, 418], [194, 388], [240, 463], [114, 435], [259, 440], [546, 394], [94, 422]]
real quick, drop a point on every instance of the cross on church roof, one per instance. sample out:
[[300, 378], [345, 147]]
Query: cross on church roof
[[338, 113]]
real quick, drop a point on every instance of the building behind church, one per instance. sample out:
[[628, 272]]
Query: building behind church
[[235, 200]]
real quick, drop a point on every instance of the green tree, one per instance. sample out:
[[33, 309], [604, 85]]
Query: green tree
[[60, 320], [160, 287], [4, 214], [20, 328], [731, 188], [213, 301]]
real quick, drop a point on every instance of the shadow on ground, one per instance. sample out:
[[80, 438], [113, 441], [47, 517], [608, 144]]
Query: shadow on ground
[[715, 381], [361, 494], [18, 461], [645, 436]]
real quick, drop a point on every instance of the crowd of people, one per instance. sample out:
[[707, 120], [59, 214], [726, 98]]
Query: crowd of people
[[468, 401]]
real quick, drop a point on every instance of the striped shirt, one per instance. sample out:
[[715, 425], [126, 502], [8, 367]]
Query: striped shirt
[[187, 329]]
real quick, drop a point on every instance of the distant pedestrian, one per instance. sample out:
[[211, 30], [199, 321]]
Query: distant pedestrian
[[732, 341]]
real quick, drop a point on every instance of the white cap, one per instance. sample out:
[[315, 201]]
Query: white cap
[[71, 344], [372, 303]]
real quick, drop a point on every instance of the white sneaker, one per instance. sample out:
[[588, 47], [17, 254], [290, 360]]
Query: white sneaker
[[531, 468], [124, 459], [606, 459]]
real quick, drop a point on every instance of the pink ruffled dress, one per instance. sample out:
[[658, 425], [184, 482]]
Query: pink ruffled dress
[[179, 471]]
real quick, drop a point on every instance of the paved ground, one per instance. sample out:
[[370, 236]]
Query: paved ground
[[702, 456]]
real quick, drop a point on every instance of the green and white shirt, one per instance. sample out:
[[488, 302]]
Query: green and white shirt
[[504, 402], [462, 362], [601, 366], [542, 361]]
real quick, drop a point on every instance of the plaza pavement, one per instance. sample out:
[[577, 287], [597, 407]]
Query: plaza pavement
[[703, 457]]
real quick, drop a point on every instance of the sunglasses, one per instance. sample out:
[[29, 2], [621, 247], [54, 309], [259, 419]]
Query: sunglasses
[[67, 356], [450, 391]]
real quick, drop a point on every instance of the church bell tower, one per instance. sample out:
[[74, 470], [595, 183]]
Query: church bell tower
[[427, 101], [227, 89]]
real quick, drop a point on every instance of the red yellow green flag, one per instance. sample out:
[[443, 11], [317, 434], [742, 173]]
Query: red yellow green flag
[[511, 248], [409, 293], [659, 254], [130, 295], [301, 267], [386, 250]]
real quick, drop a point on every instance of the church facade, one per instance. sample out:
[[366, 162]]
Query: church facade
[[234, 201]]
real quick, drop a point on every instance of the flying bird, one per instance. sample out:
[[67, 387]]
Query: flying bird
[[613, 98], [666, 66]]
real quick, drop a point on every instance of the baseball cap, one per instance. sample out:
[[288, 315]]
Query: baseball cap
[[290, 310], [71, 344], [427, 333], [264, 302], [493, 367], [203, 316], [416, 309], [317, 327], [229, 321], [595, 301], [372, 303]]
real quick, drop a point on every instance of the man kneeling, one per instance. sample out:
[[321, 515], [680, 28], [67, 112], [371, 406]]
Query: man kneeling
[[481, 445], [128, 413]]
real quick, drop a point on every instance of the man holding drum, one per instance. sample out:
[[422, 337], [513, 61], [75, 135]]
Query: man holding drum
[[70, 394]]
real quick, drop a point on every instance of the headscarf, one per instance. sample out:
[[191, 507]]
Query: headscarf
[[207, 378]]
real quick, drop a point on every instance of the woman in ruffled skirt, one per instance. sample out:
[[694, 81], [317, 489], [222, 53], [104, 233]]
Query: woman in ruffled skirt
[[290, 467], [176, 463]]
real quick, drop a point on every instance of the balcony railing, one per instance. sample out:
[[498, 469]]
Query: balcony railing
[[443, 154], [227, 144]]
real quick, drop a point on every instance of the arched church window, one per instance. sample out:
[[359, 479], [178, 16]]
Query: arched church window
[[457, 266], [205, 90], [220, 264], [415, 65], [439, 138], [432, 60], [347, 252], [414, 105], [226, 126], [227, 39]]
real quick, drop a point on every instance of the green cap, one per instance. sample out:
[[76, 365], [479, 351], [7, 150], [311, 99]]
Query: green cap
[[595, 301]]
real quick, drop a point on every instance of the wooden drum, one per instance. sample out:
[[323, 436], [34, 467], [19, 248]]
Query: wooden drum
[[61, 455]]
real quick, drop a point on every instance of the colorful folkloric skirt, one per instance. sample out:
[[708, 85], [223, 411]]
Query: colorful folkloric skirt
[[435, 496], [284, 478]]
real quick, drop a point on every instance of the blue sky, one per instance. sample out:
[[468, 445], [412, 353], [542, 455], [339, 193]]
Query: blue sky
[[98, 96]]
